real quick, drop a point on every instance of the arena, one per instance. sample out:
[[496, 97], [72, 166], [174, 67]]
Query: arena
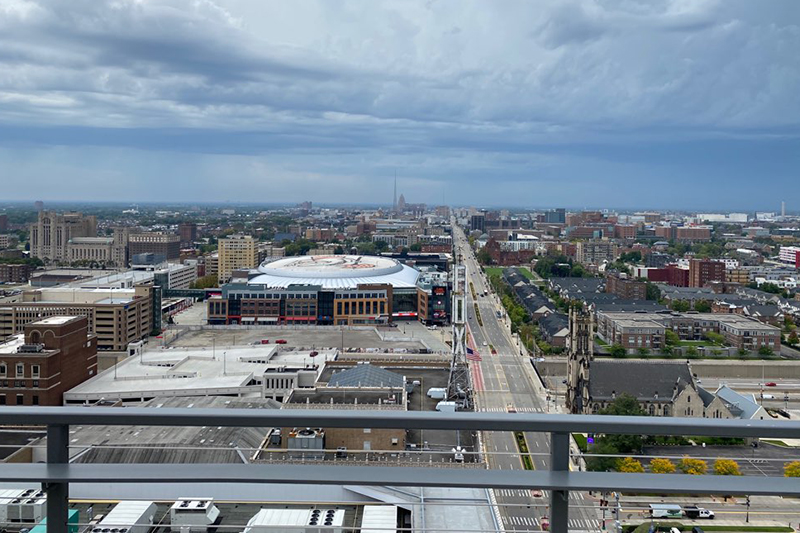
[[335, 272]]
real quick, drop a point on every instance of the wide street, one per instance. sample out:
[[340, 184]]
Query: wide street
[[504, 380]]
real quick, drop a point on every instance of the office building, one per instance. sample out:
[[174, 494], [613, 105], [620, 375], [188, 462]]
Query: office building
[[51, 233], [3, 223], [5, 241], [160, 243], [702, 271], [187, 231], [478, 222], [116, 316], [236, 252], [596, 252], [52, 355], [556, 216]]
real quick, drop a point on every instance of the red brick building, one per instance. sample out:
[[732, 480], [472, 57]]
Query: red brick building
[[625, 288], [670, 274], [625, 231], [54, 355], [702, 271]]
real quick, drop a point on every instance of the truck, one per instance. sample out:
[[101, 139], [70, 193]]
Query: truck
[[694, 512], [437, 393], [446, 407], [665, 510]]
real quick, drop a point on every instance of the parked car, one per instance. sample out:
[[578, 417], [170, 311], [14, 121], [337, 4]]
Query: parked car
[[536, 493], [280, 341]]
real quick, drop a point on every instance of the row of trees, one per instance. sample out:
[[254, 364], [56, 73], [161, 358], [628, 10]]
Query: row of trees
[[696, 467]]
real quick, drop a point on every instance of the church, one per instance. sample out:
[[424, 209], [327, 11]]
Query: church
[[662, 388]]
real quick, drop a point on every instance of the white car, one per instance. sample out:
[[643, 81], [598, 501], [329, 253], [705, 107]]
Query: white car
[[485, 343]]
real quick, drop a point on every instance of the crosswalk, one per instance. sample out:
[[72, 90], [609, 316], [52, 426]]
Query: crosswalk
[[521, 521], [584, 524], [513, 493], [519, 409]]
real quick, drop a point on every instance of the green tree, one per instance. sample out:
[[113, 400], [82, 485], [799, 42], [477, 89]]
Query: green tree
[[792, 339], [416, 247], [617, 350], [205, 282], [765, 351], [643, 351], [716, 338], [653, 292], [692, 352], [695, 467], [792, 469], [662, 466], [702, 306], [681, 306], [726, 467], [484, 258], [629, 465], [671, 338]]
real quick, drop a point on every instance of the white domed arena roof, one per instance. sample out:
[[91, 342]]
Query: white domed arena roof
[[335, 272]]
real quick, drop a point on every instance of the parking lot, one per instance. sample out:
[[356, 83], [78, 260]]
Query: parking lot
[[299, 337]]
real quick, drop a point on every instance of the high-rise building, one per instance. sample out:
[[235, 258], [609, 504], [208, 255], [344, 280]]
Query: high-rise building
[[478, 222], [596, 252], [187, 232], [159, 243], [701, 271], [3, 223], [556, 216], [236, 252], [51, 233]]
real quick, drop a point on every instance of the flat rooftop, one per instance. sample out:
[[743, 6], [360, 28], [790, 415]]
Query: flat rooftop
[[198, 371]]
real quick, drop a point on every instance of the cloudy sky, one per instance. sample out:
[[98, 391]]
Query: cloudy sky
[[621, 103]]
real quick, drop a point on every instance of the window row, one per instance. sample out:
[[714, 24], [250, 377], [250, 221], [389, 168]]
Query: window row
[[20, 370]]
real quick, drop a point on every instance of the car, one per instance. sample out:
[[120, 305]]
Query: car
[[770, 384], [536, 493], [511, 409], [485, 343], [280, 341]]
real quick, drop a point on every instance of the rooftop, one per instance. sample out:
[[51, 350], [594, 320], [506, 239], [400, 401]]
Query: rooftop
[[335, 271], [199, 371], [366, 376], [640, 379]]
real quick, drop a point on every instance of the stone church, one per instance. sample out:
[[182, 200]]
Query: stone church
[[662, 388]]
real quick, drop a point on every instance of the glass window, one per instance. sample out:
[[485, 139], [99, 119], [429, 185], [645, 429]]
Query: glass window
[[35, 371], [20, 369], [3, 369]]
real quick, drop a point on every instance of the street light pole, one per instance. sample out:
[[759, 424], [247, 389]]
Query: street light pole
[[747, 516]]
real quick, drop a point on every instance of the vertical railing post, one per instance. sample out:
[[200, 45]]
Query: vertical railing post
[[559, 499], [57, 492]]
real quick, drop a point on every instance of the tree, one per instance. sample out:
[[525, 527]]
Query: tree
[[643, 351], [205, 282], [484, 258], [726, 467], [702, 306], [671, 338], [695, 467], [601, 464], [653, 292], [662, 466], [617, 350], [416, 247], [680, 305], [692, 352], [629, 465], [792, 339], [791, 469], [765, 351], [716, 338]]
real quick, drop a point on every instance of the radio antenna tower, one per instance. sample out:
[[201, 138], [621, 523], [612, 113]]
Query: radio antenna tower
[[458, 387]]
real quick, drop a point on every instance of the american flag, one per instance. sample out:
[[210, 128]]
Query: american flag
[[472, 356]]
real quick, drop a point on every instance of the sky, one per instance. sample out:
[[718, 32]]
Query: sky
[[687, 104]]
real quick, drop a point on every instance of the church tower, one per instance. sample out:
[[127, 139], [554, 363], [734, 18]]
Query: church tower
[[581, 353]]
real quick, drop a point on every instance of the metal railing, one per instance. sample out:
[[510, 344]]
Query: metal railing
[[57, 474]]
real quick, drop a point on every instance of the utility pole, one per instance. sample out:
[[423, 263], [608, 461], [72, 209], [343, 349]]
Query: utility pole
[[616, 510]]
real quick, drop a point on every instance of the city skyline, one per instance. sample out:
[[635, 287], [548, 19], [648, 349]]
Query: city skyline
[[678, 105]]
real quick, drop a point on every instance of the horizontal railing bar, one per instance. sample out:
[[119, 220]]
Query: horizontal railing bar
[[409, 476], [129, 416]]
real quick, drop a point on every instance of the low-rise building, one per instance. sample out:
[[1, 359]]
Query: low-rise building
[[628, 289], [596, 252], [52, 355], [15, 273], [117, 317]]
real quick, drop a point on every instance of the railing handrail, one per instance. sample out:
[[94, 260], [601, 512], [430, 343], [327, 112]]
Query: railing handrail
[[528, 422]]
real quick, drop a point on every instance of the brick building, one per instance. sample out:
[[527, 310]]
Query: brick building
[[625, 231], [625, 288], [52, 356], [158, 243], [702, 271], [10, 273]]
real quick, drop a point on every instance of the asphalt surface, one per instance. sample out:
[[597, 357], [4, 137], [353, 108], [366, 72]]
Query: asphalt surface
[[507, 379]]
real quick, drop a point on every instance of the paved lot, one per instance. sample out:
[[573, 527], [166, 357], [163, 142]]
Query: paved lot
[[766, 460], [332, 337]]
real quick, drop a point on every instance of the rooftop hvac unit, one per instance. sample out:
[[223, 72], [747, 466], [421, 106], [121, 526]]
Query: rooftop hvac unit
[[31, 348], [193, 515], [128, 517], [25, 506], [297, 521]]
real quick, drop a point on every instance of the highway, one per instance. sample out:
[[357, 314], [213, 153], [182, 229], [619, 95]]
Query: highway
[[507, 379]]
